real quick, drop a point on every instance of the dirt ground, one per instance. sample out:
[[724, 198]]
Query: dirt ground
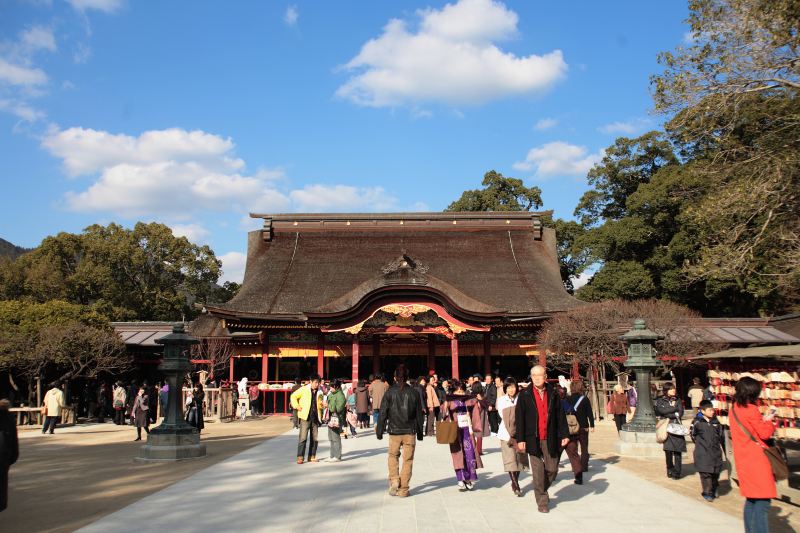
[[784, 517], [67, 480]]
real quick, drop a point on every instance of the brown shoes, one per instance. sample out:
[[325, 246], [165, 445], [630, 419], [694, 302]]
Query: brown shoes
[[393, 490], [544, 509], [312, 459]]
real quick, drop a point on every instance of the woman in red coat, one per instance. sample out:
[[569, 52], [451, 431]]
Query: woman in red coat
[[756, 482]]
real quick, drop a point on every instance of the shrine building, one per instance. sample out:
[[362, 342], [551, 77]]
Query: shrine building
[[349, 295]]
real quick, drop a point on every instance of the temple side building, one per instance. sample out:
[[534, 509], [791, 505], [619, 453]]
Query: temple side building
[[348, 295]]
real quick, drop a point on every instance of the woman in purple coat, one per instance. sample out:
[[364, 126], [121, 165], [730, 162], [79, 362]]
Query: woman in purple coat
[[466, 412]]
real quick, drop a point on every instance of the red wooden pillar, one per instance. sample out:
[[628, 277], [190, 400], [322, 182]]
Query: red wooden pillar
[[376, 353], [265, 359], [230, 376], [355, 360], [431, 363], [454, 356], [487, 353], [576, 370], [321, 354], [542, 358]]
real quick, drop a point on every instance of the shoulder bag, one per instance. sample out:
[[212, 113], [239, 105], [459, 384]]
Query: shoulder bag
[[446, 431], [572, 420], [776, 461], [661, 430]]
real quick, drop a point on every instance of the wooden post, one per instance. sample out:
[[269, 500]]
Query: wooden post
[[321, 354], [230, 375], [576, 370], [454, 356], [487, 353], [543, 358], [431, 362], [355, 360], [265, 359], [376, 352]]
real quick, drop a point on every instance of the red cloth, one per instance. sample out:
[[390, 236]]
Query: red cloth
[[755, 474], [541, 409]]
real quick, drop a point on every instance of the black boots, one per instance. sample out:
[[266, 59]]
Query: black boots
[[579, 478]]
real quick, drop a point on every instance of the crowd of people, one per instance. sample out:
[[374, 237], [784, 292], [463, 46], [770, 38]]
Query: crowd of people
[[536, 422]]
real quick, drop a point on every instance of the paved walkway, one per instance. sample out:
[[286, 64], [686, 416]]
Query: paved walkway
[[262, 489]]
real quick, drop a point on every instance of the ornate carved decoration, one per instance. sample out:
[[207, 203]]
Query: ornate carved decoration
[[404, 262], [405, 317]]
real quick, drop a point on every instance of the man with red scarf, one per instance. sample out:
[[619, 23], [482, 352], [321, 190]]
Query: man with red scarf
[[541, 431]]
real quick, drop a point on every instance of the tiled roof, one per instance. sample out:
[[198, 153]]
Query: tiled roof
[[485, 264]]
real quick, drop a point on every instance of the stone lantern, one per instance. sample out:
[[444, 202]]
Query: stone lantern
[[174, 439], [638, 437]]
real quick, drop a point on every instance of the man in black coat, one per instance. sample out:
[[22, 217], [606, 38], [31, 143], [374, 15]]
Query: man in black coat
[[542, 432], [9, 449], [401, 417]]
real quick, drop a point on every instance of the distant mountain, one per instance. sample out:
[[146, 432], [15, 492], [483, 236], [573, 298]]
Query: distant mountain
[[11, 250]]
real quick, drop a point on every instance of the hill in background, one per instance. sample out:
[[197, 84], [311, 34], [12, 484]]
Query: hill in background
[[11, 251]]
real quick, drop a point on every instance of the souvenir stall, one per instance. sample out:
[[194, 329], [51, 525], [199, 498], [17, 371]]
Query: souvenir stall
[[776, 367]]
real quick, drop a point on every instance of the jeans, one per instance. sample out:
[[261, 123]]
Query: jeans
[[50, 422], [308, 432], [119, 416], [375, 414], [401, 478], [756, 513], [335, 436]]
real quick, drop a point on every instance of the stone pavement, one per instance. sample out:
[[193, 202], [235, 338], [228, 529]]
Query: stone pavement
[[262, 489]]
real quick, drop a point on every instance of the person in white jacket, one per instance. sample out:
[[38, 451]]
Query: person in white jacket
[[53, 404], [514, 461]]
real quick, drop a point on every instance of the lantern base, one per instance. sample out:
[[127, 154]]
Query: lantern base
[[638, 444], [172, 446]]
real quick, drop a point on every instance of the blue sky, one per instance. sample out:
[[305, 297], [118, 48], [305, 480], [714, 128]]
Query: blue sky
[[196, 113]]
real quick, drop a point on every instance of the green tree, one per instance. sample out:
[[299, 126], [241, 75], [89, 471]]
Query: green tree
[[57, 340], [732, 98], [144, 273], [499, 193], [626, 164]]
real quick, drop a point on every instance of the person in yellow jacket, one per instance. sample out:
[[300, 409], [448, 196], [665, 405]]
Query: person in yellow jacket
[[53, 403], [310, 419]]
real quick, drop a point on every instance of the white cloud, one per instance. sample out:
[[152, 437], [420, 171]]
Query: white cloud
[[628, 127], [196, 233], [233, 266], [176, 173], [21, 110], [618, 127], [545, 124], [85, 151], [21, 75], [38, 38], [581, 280], [321, 198], [291, 16], [450, 59], [107, 6], [82, 53], [559, 159]]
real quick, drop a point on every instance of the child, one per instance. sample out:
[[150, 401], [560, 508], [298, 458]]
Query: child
[[708, 449]]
